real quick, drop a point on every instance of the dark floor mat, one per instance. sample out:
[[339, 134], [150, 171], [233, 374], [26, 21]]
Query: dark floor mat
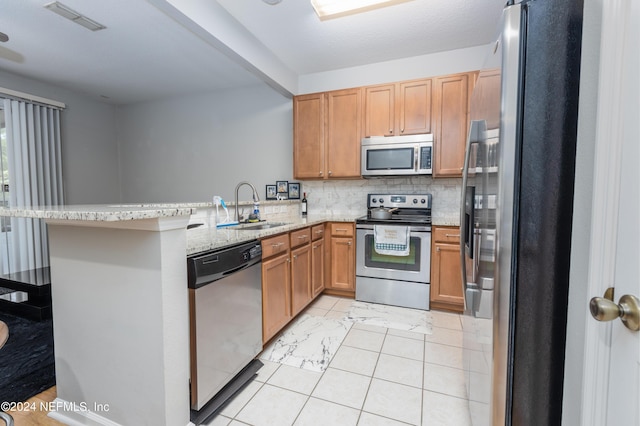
[[26, 360]]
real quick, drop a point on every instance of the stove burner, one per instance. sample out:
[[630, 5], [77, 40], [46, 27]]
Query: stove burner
[[412, 209]]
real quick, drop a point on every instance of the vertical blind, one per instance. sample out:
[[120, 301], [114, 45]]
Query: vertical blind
[[35, 176]]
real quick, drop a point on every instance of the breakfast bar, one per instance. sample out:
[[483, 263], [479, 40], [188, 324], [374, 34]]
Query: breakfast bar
[[120, 312], [120, 306]]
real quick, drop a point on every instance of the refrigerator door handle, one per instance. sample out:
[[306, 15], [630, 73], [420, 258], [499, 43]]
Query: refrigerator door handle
[[463, 231]]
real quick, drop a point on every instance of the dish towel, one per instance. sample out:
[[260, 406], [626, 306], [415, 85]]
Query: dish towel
[[391, 240]]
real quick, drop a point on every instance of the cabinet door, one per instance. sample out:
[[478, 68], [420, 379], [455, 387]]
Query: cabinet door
[[344, 120], [317, 267], [300, 278], [379, 115], [451, 122], [308, 136], [414, 107], [446, 290], [343, 264], [276, 306]]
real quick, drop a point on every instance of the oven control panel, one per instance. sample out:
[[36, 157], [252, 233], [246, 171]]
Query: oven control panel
[[413, 201]]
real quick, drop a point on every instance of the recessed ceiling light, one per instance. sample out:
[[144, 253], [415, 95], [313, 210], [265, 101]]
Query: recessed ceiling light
[[72, 15], [329, 9]]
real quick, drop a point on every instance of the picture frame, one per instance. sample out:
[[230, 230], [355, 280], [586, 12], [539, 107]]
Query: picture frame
[[282, 187], [294, 191], [271, 192]]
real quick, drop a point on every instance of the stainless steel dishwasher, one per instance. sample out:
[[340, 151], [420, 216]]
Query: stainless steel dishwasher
[[225, 310]]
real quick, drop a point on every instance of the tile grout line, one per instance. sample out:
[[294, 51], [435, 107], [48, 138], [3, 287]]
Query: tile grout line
[[372, 375], [386, 333]]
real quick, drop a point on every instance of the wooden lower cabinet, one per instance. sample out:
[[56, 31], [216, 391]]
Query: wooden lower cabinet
[[292, 276], [317, 267], [300, 278], [276, 306], [341, 259], [446, 287]]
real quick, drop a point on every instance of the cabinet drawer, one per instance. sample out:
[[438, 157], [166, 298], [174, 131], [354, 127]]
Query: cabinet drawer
[[342, 229], [275, 245], [446, 235], [317, 232], [302, 236]]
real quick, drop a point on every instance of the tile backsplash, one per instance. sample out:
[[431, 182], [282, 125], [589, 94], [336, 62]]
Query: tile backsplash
[[350, 196]]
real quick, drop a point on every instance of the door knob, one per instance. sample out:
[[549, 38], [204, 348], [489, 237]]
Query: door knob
[[627, 309]]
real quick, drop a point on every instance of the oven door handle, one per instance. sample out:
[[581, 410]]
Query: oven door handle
[[412, 228]]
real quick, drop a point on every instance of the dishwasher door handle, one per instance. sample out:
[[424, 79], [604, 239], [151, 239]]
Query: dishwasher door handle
[[238, 269]]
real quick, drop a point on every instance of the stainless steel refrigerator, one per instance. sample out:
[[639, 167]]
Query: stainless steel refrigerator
[[516, 215]]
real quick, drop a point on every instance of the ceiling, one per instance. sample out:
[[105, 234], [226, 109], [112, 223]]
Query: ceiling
[[145, 54]]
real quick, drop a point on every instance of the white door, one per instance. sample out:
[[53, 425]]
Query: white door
[[612, 351]]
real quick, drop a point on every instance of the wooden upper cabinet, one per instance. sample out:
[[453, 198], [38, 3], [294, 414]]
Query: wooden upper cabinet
[[326, 134], [379, 116], [451, 117], [398, 109], [414, 107], [308, 136], [328, 127], [342, 147]]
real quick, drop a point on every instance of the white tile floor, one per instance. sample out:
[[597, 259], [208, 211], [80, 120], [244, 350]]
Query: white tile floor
[[378, 376]]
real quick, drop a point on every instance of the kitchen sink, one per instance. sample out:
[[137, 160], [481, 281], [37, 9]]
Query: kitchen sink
[[259, 226]]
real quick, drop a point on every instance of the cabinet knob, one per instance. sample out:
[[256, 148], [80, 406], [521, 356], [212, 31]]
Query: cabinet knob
[[321, 173], [330, 172], [295, 256], [390, 131], [401, 130], [349, 243]]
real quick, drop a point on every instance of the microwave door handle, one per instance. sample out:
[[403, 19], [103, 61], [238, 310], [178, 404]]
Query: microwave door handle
[[416, 152]]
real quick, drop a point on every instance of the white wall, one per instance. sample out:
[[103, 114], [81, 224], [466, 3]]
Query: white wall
[[193, 147], [89, 148], [435, 64], [578, 297]]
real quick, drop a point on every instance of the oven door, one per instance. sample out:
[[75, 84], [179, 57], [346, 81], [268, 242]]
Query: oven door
[[415, 267]]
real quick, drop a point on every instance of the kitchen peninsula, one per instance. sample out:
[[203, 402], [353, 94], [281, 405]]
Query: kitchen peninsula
[[120, 306]]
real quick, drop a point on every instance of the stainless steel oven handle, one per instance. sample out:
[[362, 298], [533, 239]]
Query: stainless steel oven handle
[[412, 228]]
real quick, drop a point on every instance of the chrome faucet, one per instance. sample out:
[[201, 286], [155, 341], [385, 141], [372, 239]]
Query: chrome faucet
[[256, 198]]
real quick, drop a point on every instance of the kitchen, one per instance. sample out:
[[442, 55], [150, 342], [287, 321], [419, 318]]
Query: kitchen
[[95, 163]]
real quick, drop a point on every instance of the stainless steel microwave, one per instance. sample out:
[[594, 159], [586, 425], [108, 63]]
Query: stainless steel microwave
[[397, 155]]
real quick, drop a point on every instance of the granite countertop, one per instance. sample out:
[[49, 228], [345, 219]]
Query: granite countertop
[[102, 212], [205, 238], [200, 239]]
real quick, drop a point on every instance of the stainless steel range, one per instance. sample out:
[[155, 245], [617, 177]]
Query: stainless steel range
[[393, 255]]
